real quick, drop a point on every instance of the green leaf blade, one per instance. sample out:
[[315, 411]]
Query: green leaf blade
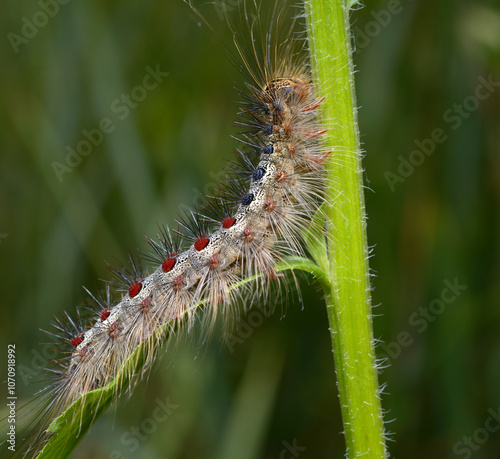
[[315, 238]]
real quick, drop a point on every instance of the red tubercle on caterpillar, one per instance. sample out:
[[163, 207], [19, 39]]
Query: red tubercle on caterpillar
[[213, 261], [168, 264], [228, 222], [248, 234], [269, 205], [134, 288], [105, 314], [280, 176], [146, 304], [178, 281], [76, 341], [201, 243], [113, 330]]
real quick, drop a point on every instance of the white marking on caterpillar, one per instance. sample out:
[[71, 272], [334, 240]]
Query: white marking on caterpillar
[[242, 232]]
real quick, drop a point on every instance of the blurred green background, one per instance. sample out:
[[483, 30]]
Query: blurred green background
[[433, 221]]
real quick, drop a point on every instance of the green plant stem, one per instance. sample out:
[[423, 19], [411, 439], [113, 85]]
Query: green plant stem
[[348, 297]]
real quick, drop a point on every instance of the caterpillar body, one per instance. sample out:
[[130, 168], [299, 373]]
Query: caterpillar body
[[255, 221]]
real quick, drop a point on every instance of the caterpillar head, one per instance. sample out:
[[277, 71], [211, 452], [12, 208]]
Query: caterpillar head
[[289, 90]]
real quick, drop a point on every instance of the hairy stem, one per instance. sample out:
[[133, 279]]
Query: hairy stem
[[348, 293]]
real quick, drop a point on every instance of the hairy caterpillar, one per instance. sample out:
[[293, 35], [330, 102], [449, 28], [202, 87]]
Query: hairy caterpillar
[[270, 196]]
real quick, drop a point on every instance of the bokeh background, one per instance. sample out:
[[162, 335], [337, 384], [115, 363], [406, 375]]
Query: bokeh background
[[421, 66]]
